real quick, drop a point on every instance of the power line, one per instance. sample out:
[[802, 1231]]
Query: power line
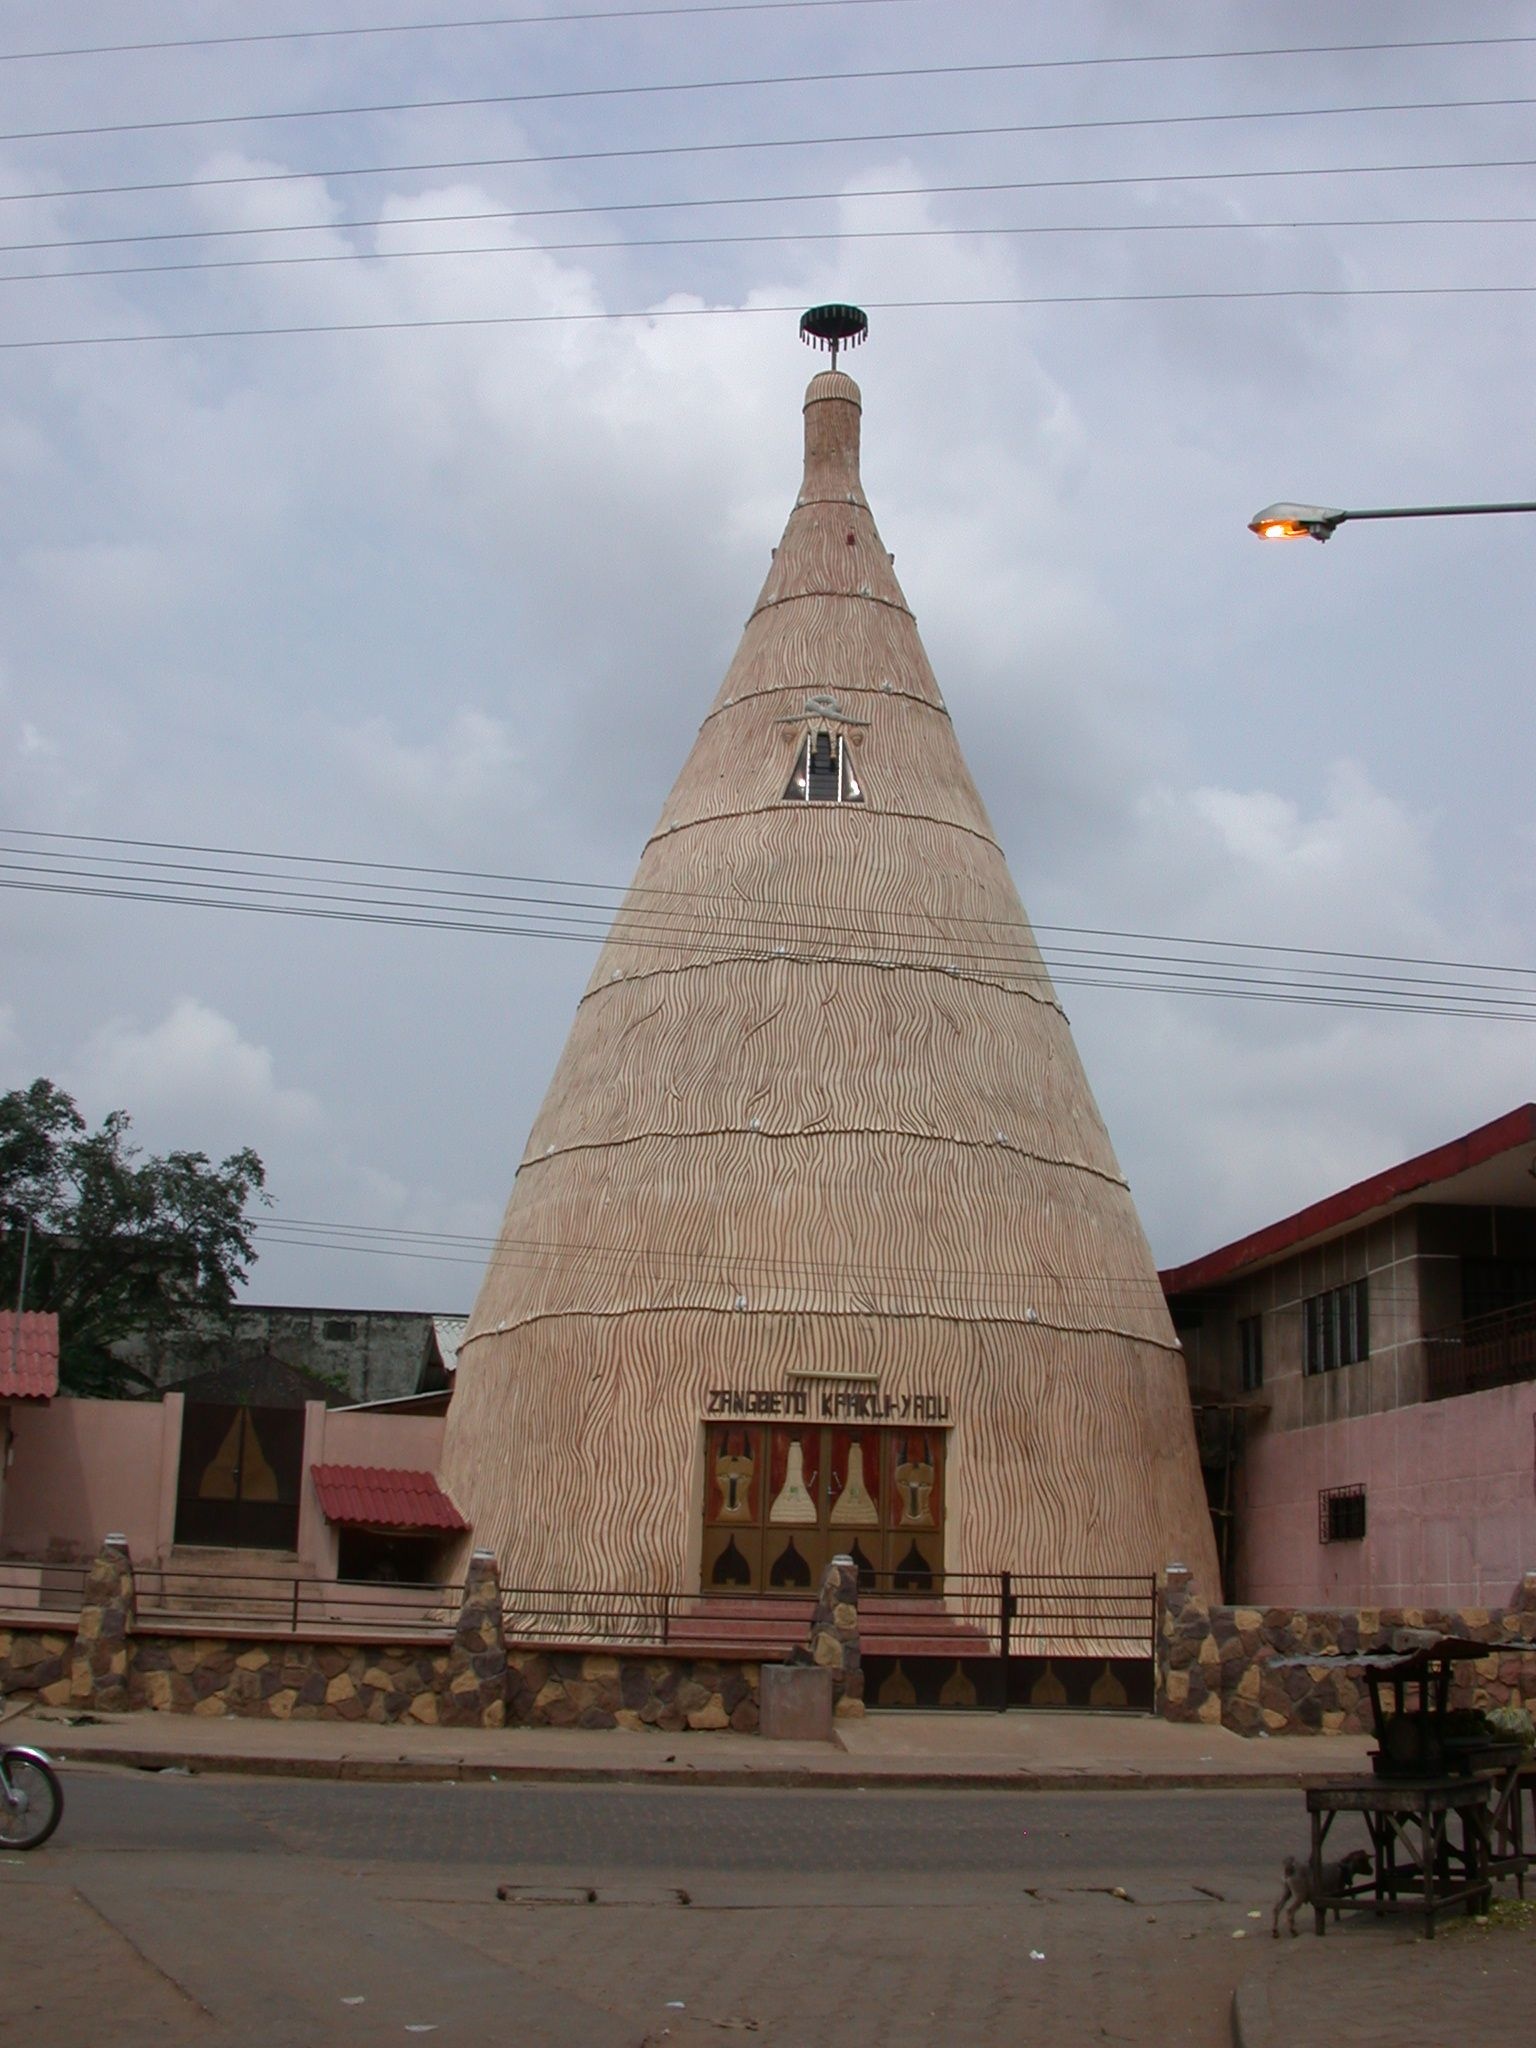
[[788, 237], [603, 92], [423, 325], [407, 28], [474, 163], [533, 1250], [312, 227], [623, 892], [740, 932], [767, 1271], [739, 7]]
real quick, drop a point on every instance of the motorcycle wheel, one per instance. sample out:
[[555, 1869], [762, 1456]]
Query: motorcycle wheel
[[31, 1801]]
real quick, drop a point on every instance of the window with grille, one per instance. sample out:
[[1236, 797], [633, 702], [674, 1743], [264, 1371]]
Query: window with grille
[[823, 772], [1341, 1514], [1250, 1344], [1336, 1328]]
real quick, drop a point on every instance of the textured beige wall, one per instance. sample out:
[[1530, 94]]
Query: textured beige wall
[[820, 1109]]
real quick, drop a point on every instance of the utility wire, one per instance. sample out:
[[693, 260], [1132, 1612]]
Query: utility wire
[[411, 28], [605, 92], [398, 28], [779, 240], [762, 1270], [708, 918], [423, 325], [728, 933], [475, 163], [622, 893], [758, 937], [536, 1249], [315, 227]]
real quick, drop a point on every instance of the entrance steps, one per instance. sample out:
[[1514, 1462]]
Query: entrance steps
[[201, 1580], [771, 1625]]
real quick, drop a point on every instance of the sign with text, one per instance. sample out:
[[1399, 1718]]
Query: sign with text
[[830, 1402]]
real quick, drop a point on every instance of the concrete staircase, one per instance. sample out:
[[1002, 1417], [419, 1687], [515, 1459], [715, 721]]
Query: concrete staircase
[[771, 1625], [223, 1585]]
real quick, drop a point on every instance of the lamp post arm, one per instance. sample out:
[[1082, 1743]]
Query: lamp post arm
[[1432, 511]]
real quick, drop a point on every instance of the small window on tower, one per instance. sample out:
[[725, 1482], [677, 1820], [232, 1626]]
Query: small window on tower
[[823, 772]]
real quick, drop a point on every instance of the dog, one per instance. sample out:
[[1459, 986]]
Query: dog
[[1336, 1879]]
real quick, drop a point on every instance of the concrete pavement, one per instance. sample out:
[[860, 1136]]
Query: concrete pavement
[[1020, 1751], [1374, 1983]]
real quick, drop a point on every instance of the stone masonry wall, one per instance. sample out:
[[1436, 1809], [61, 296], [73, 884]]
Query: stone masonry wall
[[584, 1689], [99, 1666], [1215, 1664], [834, 1640], [471, 1681], [32, 1659], [289, 1681]]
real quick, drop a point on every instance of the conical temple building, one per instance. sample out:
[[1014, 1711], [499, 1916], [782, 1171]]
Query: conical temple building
[[819, 1244]]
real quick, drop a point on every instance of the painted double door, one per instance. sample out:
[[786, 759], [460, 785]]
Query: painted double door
[[781, 1499]]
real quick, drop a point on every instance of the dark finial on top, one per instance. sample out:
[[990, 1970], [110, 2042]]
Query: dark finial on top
[[833, 327]]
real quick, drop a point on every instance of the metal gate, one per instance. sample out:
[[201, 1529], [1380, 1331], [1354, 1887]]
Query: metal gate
[[994, 1640], [237, 1487]]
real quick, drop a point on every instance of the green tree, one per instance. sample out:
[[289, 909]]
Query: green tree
[[119, 1244]]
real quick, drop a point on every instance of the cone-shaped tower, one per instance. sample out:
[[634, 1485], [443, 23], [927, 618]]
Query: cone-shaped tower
[[819, 1242]]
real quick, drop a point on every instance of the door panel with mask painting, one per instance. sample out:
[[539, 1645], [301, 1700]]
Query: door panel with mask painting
[[783, 1498]]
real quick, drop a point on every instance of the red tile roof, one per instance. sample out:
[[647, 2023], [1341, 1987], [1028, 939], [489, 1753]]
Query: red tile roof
[[384, 1498], [29, 1355], [1476, 1148]]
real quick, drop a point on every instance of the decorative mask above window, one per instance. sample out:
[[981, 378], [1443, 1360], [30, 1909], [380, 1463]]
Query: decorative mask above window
[[823, 772]]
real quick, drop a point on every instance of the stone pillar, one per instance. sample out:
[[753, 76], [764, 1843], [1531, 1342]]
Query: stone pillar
[[98, 1672], [834, 1639], [1188, 1660], [477, 1663]]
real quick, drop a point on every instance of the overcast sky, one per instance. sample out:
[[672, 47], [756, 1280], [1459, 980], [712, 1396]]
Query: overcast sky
[[458, 596]]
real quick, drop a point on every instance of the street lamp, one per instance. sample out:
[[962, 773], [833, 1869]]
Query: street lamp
[[1320, 522]]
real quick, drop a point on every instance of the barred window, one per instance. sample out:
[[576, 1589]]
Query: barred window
[[1341, 1514], [1336, 1328], [823, 772], [1250, 1341]]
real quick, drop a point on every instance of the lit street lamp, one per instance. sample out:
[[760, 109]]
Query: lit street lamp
[[1319, 522]]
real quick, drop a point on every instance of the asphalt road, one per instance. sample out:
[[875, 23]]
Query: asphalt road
[[581, 1830], [180, 1910]]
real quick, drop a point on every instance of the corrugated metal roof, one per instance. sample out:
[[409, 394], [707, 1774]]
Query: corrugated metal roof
[[449, 1331], [1409, 1661], [384, 1497], [29, 1355]]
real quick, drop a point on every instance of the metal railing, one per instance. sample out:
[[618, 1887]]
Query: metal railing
[[551, 1614], [36, 1589], [176, 1597], [956, 1614], [1494, 1350], [953, 1614]]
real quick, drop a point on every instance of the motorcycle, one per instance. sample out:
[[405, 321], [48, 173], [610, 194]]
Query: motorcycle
[[31, 1798]]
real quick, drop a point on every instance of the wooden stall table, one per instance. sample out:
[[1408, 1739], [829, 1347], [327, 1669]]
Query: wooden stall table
[[1509, 1793], [1430, 1848]]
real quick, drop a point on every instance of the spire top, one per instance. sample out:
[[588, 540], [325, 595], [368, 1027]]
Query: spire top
[[834, 327]]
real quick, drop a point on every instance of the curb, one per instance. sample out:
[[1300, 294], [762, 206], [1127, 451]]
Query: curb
[[1250, 2015], [786, 1777]]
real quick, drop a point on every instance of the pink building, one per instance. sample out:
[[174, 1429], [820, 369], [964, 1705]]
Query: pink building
[[1364, 1376]]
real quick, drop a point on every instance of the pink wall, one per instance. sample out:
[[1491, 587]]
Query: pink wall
[[341, 1436], [82, 1469], [1450, 1506], [352, 1436]]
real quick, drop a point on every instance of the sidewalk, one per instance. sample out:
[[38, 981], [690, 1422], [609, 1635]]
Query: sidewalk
[[1374, 1984], [1016, 1751], [1375, 1988]]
